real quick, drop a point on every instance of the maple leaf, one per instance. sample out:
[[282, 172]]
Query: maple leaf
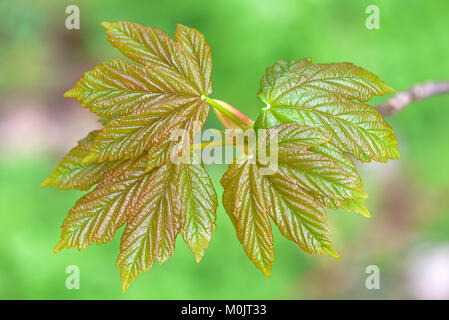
[[140, 105], [156, 206], [153, 47], [118, 87], [310, 170], [150, 99], [177, 198], [323, 96], [130, 135]]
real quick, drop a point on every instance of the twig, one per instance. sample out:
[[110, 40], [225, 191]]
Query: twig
[[418, 92]]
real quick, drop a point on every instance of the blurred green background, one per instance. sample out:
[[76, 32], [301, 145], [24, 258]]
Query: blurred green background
[[407, 236]]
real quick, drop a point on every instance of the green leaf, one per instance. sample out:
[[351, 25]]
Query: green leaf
[[323, 96], [145, 103], [199, 206], [99, 213], [118, 87], [245, 204], [131, 135], [72, 172], [156, 206], [306, 158], [146, 108], [171, 150], [317, 144], [355, 204], [196, 47], [311, 172], [169, 204], [151, 232], [153, 47]]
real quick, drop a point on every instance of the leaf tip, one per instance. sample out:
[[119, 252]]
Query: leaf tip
[[198, 252], [45, 183], [397, 155], [106, 25], [364, 212], [72, 93], [61, 245], [125, 287], [181, 26], [126, 279], [265, 268], [266, 272], [388, 89], [331, 252]]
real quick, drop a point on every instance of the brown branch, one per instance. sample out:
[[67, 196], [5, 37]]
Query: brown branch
[[418, 92]]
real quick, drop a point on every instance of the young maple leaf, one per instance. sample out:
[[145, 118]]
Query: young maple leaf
[[179, 198], [318, 112], [323, 96], [310, 172], [141, 104], [152, 98]]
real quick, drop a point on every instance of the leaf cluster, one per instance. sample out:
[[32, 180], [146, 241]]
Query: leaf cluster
[[318, 111]]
